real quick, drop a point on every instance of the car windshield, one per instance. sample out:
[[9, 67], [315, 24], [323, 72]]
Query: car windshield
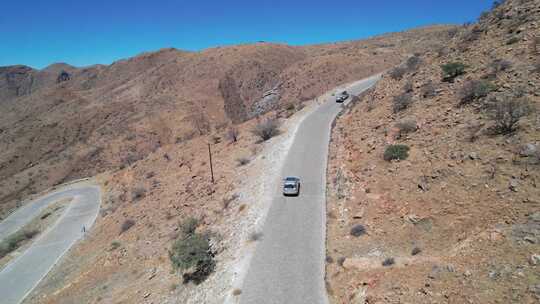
[[289, 186], [292, 179]]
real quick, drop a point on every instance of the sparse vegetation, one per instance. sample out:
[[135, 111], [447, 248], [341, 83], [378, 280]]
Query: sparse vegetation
[[115, 245], [401, 102], [228, 200], [507, 113], [242, 161], [192, 253], [408, 87], [474, 90], [472, 35], [138, 193], [388, 262], [500, 65], [189, 226], [452, 70], [512, 40], [128, 223], [266, 129], [398, 72], [413, 63], [396, 152], [14, 241], [358, 230], [416, 251], [406, 126], [255, 236], [428, 90], [232, 134]]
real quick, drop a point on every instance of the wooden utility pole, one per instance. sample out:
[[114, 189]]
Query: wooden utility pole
[[211, 167]]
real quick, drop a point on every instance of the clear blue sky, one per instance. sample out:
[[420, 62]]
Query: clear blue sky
[[40, 32]]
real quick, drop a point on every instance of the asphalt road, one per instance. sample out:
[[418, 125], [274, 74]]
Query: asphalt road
[[23, 273], [288, 264]]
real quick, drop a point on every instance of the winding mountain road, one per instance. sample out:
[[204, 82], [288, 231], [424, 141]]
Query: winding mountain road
[[23, 273], [288, 264]]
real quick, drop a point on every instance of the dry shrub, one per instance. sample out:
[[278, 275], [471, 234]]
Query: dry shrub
[[242, 161], [406, 126], [408, 87], [232, 134], [388, 262], [398, 72], [474, 90], [413, 63], [138, 193], [228, 200], [401, 102], [507, 113], [358, 230], [128, 223], [266, 129], [428, 90], [500, 65]]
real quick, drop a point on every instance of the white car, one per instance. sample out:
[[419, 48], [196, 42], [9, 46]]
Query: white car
[[291, 186], [341, 97]]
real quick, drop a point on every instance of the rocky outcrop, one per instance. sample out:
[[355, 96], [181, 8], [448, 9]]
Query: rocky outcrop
[[15, 81], [233, 105]]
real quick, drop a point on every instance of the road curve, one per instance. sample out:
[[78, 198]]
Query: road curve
[[23, 273], [288, 264]]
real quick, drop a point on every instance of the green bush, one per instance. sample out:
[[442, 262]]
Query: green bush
[[14, 241], [452, 70], [399, 152], [192, 253], [115, 245]]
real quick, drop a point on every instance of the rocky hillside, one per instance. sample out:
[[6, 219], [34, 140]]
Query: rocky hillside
[[62, 122], [433, 177]]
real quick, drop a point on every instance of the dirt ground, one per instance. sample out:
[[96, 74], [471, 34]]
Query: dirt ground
[[458, 220]]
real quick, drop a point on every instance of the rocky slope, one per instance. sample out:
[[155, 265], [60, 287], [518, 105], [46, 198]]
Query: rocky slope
[[62, 123], [457, 219]]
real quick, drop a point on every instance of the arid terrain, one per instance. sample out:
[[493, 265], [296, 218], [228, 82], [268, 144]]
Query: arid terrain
[[64, 123], [449, 214], [142, 127], [452, 213]]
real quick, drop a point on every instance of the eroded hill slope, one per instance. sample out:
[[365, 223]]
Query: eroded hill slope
[[434, 174]]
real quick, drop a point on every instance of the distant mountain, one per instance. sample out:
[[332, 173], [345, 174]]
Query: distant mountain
[[64, 122]]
